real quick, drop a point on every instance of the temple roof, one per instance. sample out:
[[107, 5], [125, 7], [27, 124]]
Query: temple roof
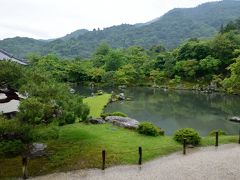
[[6, 56]]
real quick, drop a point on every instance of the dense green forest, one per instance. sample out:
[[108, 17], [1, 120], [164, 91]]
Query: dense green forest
[[194, 64], [170, 30]]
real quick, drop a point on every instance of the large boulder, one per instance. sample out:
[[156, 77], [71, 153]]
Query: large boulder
[[123, 121]]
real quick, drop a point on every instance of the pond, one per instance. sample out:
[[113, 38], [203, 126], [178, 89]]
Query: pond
[[173, 109]]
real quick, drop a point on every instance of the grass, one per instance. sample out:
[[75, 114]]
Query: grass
[[210, 140], [80, 145], [97, 104]]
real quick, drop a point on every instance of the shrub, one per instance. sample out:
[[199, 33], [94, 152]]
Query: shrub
[[220, 133], [11, 148], [34, 111], [66, 118], [104, 115], [69, 118], [149, 129], [118, 114], [190, 134], [85, 113], [13, 130], [61, 122], [176, 80]]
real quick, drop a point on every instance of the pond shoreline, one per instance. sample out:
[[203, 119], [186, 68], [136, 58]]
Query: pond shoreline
[[207, 89]]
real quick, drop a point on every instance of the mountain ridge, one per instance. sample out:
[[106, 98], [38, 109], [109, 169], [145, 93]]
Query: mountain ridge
[[171, 29]]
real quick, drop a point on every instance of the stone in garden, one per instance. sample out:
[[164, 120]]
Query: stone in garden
[[72, 91], [123, 121], [121, 96], [122, 87], [38, 150], [235, 119], [100, 92], [96, 121]]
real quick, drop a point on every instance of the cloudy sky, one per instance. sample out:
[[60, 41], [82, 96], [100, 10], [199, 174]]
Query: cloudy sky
[[44, 19]]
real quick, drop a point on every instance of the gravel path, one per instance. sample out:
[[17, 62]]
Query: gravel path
[[211, 163]]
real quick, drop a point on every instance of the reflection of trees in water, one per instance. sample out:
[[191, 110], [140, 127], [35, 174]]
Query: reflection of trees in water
[[180, 108], [228, 104], [181, 103]]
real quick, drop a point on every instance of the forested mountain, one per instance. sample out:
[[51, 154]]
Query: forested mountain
[[75, 34], [21, 46], [169, 30]]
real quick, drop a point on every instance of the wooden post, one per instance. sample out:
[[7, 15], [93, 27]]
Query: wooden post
[[140, 155], [216, 144], [103, 159], [239, 136], [24, 167], [184, 145]]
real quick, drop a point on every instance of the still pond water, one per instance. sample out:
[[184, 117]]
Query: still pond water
[[172, 110]]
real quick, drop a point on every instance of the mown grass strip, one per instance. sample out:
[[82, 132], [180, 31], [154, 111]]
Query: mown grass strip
[[97, 104]]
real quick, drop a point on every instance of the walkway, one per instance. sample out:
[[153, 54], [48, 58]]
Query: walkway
[[210, 163]]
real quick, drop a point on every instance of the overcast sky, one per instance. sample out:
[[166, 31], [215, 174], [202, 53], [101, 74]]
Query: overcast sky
[[44, 19]]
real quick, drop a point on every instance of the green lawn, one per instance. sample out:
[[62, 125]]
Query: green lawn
[[97, 104], [80, 145]]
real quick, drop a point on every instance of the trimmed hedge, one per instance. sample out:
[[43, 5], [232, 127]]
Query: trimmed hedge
[[149, 129], [190, 134]]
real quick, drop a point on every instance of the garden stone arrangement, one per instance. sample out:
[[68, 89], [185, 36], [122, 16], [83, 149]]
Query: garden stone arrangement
[[97, 121], [125, 122]]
